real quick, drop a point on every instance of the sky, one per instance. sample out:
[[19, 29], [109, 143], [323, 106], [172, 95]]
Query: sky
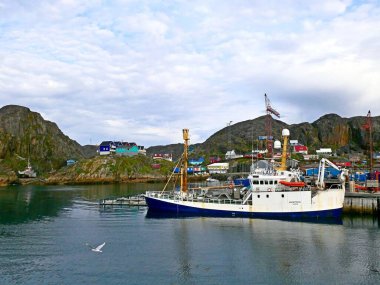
[[141, 71]]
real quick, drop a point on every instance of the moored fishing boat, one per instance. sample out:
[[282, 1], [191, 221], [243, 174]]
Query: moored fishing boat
[[28, 172], [270, 195]]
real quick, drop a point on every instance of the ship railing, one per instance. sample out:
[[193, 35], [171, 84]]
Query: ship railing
[[192, 198]]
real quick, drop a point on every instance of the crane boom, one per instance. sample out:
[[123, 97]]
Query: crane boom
[[321, 172], [268, 124], [269, 108]]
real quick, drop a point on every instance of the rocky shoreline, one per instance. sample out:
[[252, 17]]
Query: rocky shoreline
[[7, 181]]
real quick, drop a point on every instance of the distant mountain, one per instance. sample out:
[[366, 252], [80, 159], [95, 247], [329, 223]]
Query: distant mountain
[[175, 149], [26, 135], [341, 134]]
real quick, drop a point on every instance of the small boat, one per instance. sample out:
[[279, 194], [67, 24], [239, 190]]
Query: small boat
[[28, 172], [266, 197]]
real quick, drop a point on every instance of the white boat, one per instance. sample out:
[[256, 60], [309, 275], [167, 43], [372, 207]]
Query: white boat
[[271, 195], [28, 172]]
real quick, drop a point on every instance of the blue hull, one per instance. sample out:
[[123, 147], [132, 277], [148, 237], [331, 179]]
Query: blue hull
[[166, 207]]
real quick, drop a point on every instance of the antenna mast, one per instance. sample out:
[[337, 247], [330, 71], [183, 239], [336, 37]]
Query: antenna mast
[[368, 127]]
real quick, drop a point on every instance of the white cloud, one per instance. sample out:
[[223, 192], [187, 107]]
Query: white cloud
[[143, 70]]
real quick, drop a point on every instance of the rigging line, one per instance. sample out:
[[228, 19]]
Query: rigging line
[[171, 175]]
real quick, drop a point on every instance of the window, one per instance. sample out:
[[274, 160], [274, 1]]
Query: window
[[267, 196], [266, 182], [271, 182], [258, 196], [261, 182], [282, 195]]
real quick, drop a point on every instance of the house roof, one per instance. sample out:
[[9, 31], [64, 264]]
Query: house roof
[[105, 143], [298, 148]]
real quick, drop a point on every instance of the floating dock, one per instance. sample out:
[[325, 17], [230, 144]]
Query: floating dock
[[124, 201]]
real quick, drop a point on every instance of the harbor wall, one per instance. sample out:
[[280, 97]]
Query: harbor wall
[[362, 203]]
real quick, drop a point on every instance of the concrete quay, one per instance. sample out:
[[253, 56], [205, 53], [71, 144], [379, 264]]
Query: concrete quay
[[362, 203]]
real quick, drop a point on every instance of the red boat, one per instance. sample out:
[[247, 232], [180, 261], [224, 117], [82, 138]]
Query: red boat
[[292, 184]]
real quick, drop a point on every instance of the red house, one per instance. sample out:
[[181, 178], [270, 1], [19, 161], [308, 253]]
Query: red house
[[300, 149]]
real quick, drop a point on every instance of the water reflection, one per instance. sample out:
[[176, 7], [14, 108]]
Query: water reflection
[[361, 221], [154, 214], [20, 204]]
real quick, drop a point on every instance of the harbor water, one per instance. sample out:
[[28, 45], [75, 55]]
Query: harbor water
[[44, 231]]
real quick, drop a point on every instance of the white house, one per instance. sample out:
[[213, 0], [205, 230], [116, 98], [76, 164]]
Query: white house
[[218, 167], [232, 155], [324, 151]]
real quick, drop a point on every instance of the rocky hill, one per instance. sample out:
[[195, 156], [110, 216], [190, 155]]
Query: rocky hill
[[343, 135], [26, 135], [111, 169]]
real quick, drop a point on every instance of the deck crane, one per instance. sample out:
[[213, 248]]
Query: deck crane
[[268, 125], [320, 183], [368, 127]]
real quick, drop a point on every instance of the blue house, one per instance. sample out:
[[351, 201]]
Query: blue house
[[105, 147], [198, 161], [127, 149]]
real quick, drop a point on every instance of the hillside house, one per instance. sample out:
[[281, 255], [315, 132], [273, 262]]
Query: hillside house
[[165, 156], [105, 147], [120, 148], [142, 150], [127, 149], [324, 151], [214, 159], [219, 167], [198, 161], [300, 149], [232, 155]]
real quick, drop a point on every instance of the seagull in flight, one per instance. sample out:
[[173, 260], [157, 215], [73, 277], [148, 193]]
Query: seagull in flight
[[98, 248]]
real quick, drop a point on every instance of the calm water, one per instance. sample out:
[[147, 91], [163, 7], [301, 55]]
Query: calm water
[[43, 232]]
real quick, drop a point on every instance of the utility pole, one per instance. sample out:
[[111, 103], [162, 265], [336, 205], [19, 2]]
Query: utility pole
[[368, 127], [229, 135]]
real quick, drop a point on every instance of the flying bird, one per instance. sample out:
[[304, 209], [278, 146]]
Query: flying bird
[[98, 248]]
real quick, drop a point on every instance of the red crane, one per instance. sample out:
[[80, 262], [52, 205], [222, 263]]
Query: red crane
[[268, 125], [368, 127]]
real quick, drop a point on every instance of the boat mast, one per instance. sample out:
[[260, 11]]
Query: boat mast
[[285, 134], [185, 158]]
